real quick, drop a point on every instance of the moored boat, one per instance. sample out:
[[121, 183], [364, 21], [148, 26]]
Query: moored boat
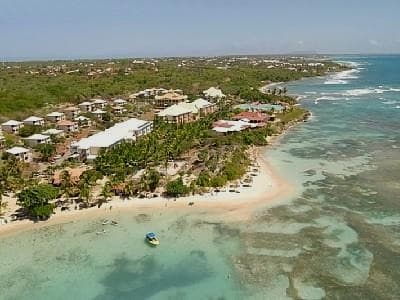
[[152, 239]]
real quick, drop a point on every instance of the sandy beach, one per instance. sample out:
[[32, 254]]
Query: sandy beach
[[266, 190]]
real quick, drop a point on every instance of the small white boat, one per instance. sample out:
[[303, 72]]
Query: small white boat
[[101, 232], [105, 222], [152, 239]]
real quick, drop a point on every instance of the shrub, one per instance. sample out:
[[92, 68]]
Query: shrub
[[176, 188]]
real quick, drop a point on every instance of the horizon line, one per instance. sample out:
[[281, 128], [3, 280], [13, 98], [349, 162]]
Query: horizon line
[[112, 57]]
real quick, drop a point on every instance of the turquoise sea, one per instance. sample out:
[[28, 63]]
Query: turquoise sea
[[338, 237]]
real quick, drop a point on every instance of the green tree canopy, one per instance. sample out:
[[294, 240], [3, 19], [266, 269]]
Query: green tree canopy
[[36, 200]]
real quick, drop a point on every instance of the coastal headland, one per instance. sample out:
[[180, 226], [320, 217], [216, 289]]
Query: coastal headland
[[155, 149]]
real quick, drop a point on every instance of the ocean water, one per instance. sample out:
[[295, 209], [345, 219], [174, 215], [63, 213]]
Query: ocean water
[[338, 237]]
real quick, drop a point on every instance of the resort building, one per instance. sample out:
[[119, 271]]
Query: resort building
[[67, 126], [169, 99], [37, 139], [71, 112], [186, 112], [177, 114], [204, 106], [12, 126], [88, 148], [99, 103], [55, 116], [256, 118], [213, 93], [21, 154], [83, 121], [54, 132], [226, 126], [34, 121], [86, 106]]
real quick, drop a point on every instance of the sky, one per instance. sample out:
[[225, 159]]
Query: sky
[[55, 29]]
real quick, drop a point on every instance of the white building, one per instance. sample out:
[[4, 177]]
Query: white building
[[98, 113], [55, 116], [37, 139], [12, 126], [20, 153], [88, 148], [35, 121], [120, 102], [214, 93], [225, 126]]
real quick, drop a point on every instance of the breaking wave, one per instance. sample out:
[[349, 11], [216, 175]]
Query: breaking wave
[[342, 77]]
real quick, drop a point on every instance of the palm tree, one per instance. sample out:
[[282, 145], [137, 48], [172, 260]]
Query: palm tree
[[85, 192], [66, 184], [106, 192]]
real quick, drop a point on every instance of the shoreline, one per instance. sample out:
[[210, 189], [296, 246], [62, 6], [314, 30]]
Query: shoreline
[[268, 189]]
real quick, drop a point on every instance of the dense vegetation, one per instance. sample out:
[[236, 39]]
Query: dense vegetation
[[26, 87], [215, 159], [36, 200]]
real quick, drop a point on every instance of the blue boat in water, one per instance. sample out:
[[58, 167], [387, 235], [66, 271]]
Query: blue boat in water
[[152, 239]]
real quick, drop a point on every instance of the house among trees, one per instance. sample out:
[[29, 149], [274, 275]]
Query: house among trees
[[37, 139], [55, 116], [86, 106], [213, 93], [120, 102], [99, 103], [54, 132], [118, 110], [169, 99], [12, 126], [257, 118], [34, 121], [83, 121], [88, 148], [20, 153], [67, 126], [98, 113], [71, 112]]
